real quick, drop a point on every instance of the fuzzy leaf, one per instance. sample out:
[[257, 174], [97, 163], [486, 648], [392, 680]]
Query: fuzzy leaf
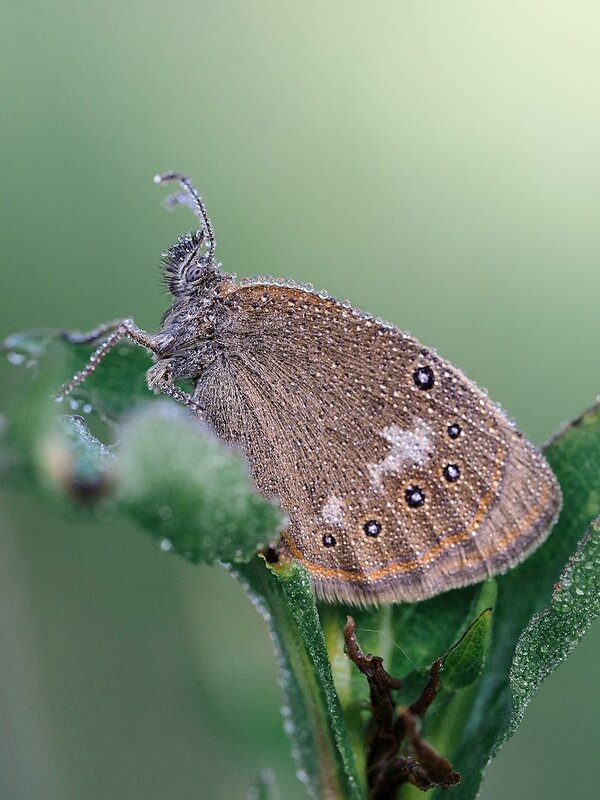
[[78, 463], [113, 389], [167, 471], [177, 480], [553, 633], [313, 717]]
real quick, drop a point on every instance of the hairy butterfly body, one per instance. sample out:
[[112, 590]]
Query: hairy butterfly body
[[401, 479]]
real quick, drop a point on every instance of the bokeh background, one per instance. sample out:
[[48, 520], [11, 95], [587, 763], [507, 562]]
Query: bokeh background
[[438, 163]]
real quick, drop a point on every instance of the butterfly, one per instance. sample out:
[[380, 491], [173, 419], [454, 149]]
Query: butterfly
[[401, 479]]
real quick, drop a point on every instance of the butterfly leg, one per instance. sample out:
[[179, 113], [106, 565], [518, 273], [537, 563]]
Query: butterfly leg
[[93, 336], [160, 380], [114, 332], [158, 376]]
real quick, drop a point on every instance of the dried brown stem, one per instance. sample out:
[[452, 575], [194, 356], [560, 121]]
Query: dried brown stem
[[387, 768]]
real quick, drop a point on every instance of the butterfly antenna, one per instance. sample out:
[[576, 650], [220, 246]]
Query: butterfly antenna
[[196, 203]]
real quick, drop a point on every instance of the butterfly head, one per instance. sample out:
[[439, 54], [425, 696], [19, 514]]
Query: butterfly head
[[186, 265], [189, 264]]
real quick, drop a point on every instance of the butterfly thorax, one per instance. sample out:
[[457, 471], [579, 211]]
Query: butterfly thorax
[[185, 342]]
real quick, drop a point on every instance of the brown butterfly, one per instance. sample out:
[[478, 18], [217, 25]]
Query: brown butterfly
[[401, 479]]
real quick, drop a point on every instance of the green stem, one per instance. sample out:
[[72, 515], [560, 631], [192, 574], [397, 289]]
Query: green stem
[[314, 718]]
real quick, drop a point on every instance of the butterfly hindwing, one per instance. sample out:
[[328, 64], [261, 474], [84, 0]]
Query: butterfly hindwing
[[400, 477]]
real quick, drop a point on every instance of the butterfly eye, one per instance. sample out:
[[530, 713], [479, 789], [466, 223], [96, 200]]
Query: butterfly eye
[[194, 273]]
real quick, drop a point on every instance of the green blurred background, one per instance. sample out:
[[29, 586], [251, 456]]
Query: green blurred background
[[438, 163]]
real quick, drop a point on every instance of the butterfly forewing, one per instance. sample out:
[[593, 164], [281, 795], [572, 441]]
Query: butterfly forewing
[[400, 477]]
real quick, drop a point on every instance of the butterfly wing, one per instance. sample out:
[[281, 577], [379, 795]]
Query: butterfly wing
[[400, 477]]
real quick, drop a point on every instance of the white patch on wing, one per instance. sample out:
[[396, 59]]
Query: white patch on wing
[[406, 447], [333, 510]]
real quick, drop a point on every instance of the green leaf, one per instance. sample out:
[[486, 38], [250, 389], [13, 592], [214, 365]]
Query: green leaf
[[116, 387], [313, 717], [40, 447], [167, 472], [80, 464], [555, 632], [177, 480], [464, 661]]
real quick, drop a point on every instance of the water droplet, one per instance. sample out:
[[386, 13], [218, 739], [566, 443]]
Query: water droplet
[[289, 727], [15, 358], [165, 545], [302, 776]]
